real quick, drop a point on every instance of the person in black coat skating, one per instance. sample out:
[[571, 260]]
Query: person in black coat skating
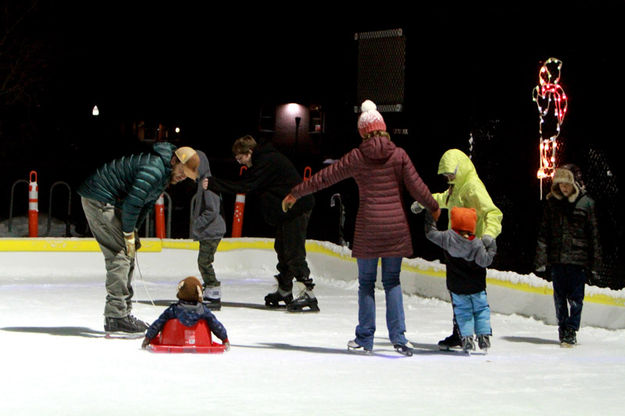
[[270, 175]]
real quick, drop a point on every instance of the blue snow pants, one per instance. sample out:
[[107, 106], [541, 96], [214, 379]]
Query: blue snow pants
[[472, 313], [395, 318]]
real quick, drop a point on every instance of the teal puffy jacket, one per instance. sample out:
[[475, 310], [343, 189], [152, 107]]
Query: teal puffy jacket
[[131, 183]]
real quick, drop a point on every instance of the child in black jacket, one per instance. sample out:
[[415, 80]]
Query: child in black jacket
[[466, 259]]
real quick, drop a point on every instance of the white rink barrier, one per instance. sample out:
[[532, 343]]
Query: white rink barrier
[[508, 292]]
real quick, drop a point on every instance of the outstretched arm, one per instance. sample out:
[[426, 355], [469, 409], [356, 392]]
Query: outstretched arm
[[342, 169]]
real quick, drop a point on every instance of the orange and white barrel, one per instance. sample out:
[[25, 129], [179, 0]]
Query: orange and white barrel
[[33, 205], [159, 217]]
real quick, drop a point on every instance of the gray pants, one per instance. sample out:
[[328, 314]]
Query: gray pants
[[205, 259], [106, 226]]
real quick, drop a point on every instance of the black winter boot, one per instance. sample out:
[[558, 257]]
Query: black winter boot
[[128, 325]]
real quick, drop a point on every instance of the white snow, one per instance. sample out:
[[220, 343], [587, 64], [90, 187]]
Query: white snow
[[55, 360]]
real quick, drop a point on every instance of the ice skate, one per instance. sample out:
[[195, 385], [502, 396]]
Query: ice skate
[[406, 349], [126, 327], [483, 341], [568, 339], [468, 344], [306, 302], [353, 346], [273, 299], [450, 342], [211, 297]]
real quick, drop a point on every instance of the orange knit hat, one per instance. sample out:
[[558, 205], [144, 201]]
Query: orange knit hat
[[463, 219]]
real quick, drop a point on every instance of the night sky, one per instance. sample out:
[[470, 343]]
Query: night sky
[[468, 70]]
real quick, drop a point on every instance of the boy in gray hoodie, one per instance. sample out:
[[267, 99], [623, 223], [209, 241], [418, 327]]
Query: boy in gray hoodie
[[466, 259], [208, 227]]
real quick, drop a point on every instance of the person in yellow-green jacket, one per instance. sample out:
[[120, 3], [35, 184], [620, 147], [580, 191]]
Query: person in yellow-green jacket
[[468, 191]]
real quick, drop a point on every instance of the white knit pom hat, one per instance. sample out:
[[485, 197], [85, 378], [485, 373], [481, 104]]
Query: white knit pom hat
[[370, 119]]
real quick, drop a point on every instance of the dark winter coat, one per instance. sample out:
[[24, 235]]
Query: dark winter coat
[[131, 183], [188, 313], [270, 178], [381, 171], [208, 220], [568, 233], [465, 259]]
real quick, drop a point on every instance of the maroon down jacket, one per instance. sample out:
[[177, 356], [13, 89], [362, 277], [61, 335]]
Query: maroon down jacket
[[381, 171]]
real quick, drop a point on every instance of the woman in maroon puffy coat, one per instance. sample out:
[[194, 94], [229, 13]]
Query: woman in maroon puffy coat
[[382, 171]]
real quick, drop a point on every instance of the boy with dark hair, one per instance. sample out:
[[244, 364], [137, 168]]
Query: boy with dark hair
[[270, 175]]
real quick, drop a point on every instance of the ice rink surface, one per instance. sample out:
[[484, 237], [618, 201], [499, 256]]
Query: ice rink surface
[[56, 361]]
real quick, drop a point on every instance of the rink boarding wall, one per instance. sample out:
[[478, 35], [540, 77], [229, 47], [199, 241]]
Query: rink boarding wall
[[508, 292]]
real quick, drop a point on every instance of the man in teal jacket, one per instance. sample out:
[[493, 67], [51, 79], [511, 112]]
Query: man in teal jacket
[[116, 199], [466, 190]]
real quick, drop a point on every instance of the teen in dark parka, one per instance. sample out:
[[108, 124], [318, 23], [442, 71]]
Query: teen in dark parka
[[269, 177], [568, 243]]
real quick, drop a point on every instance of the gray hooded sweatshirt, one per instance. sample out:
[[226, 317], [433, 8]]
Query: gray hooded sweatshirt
[[208, 221], [466, 259]]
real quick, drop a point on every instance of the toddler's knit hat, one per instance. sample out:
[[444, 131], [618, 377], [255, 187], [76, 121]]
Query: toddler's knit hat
[[370, 119], [463, 219], [190, 289]]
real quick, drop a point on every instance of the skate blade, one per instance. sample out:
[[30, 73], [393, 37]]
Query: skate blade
[[274, 306], [566, 345], [306, 308], [448, 348], [359, 350], [407, 353]]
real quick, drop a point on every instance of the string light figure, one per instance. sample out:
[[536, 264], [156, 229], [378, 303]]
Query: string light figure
[[552, 104]]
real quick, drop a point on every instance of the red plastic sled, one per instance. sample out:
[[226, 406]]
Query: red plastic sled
[[175, 337]]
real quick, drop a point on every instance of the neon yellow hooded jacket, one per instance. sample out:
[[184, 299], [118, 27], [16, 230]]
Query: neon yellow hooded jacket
[[468, 191]]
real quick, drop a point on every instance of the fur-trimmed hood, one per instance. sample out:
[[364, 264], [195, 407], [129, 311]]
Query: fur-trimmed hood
[[563, 175]]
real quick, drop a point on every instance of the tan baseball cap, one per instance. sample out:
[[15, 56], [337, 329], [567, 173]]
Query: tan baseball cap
[[190, 161]]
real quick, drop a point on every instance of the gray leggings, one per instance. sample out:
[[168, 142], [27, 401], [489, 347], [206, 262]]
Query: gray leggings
[[105, 224]]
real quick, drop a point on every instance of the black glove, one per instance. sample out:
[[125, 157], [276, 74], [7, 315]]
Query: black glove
[[145, 343]]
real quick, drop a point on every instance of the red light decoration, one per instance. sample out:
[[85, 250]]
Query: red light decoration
[[552, 105]]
